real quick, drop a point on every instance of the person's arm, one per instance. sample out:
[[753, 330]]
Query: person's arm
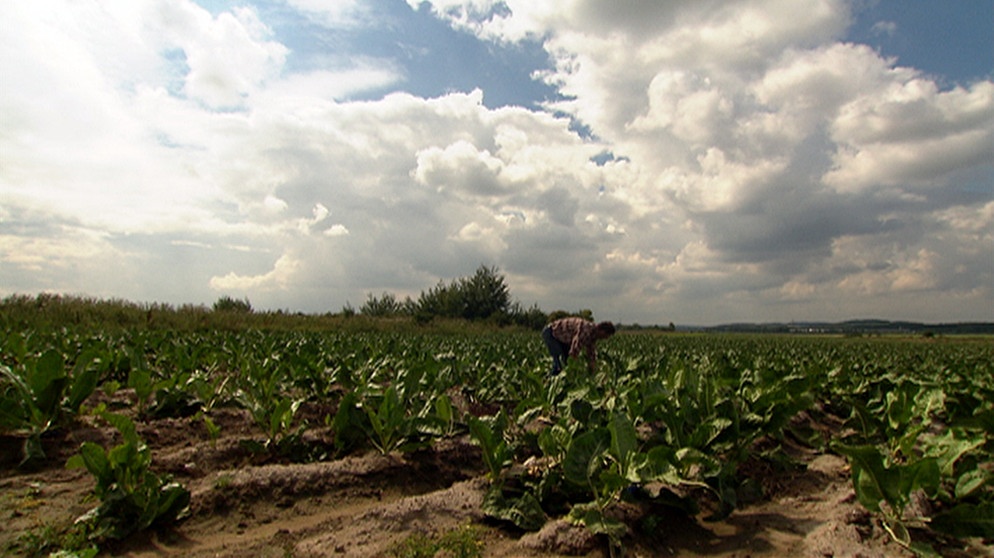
[[585, 338], [592, 356], [575, 346]]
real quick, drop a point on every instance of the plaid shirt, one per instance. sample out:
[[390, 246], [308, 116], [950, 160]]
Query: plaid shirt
[[578, 334]]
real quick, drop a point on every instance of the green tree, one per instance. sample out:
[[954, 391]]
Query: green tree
[[348, 311], [228, 304], [385, 305], [440, 300], [532, 318], [484, 295]]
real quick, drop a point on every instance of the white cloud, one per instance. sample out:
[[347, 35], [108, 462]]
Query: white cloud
[[912, 133], [722, 185], [280, 277], [875, 272], [357, 77], [888, 28], [459, 167], [978, 224], [693, 112], [67, 248], [333, 7], [337, 229], [488, 239], [228, 57], [320, 213], [273, 205], [747, 159]]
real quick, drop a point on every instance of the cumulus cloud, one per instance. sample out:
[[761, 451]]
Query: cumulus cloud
[[911, 134], [337, 229], [705, 161], [351, 77], [227, 57], [279, 277], [459, 167], [65, 247], [775, 140]]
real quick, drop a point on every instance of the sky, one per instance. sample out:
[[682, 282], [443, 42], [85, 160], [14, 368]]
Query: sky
[[691, 161]]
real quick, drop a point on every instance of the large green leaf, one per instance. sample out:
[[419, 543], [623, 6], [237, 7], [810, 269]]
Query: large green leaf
[[554, 441], [349, 423], [490, 435], [14, 399], [93, 457], [660, 465], [872, 481], [173, 503], [921, 475], [598, 523], [970, 482], [967, 520], [585, 456], [444, 412], [85, 377], [47, 381], [624, 439], [524, 511], [124, 425], [951, 446]]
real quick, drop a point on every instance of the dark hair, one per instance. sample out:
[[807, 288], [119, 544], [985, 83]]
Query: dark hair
[[606, 327]]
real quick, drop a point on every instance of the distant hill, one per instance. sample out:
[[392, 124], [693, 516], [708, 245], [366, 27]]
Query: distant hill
[[857, 327]]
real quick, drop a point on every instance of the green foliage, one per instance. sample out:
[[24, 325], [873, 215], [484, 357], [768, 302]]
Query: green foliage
[[966, 520], [923, 427], [887, 489], [485, 294], [350, 424], [489, 434], [55, 540], [38, 394], [605, 461], [389, 422], [463, 542], [385, 306], [677, 411], [523, 510], [261, 390], [229, 304], [53, 312], [482, 296], [31, 397], [585, 458], [440, 300], [132, 497]]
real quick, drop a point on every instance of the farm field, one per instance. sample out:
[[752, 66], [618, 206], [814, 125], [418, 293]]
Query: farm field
[[381, 443]]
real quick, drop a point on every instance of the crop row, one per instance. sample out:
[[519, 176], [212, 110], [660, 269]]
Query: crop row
[[663, 416]]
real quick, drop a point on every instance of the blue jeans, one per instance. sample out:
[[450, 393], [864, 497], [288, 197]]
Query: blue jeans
[[558, 350]]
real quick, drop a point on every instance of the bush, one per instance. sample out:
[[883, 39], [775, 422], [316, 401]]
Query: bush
[[483, 296], [228, 304], [382, 307]]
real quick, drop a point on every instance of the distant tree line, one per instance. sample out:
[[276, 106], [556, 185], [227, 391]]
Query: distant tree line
[[482, 296], [54, 311]]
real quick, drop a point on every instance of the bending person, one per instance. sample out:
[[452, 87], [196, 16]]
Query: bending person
[[567, 337]]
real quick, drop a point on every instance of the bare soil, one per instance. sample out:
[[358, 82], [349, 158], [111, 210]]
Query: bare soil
[[364, 505]]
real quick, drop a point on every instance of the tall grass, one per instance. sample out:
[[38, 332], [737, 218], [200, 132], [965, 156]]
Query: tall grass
[[53, 311]]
